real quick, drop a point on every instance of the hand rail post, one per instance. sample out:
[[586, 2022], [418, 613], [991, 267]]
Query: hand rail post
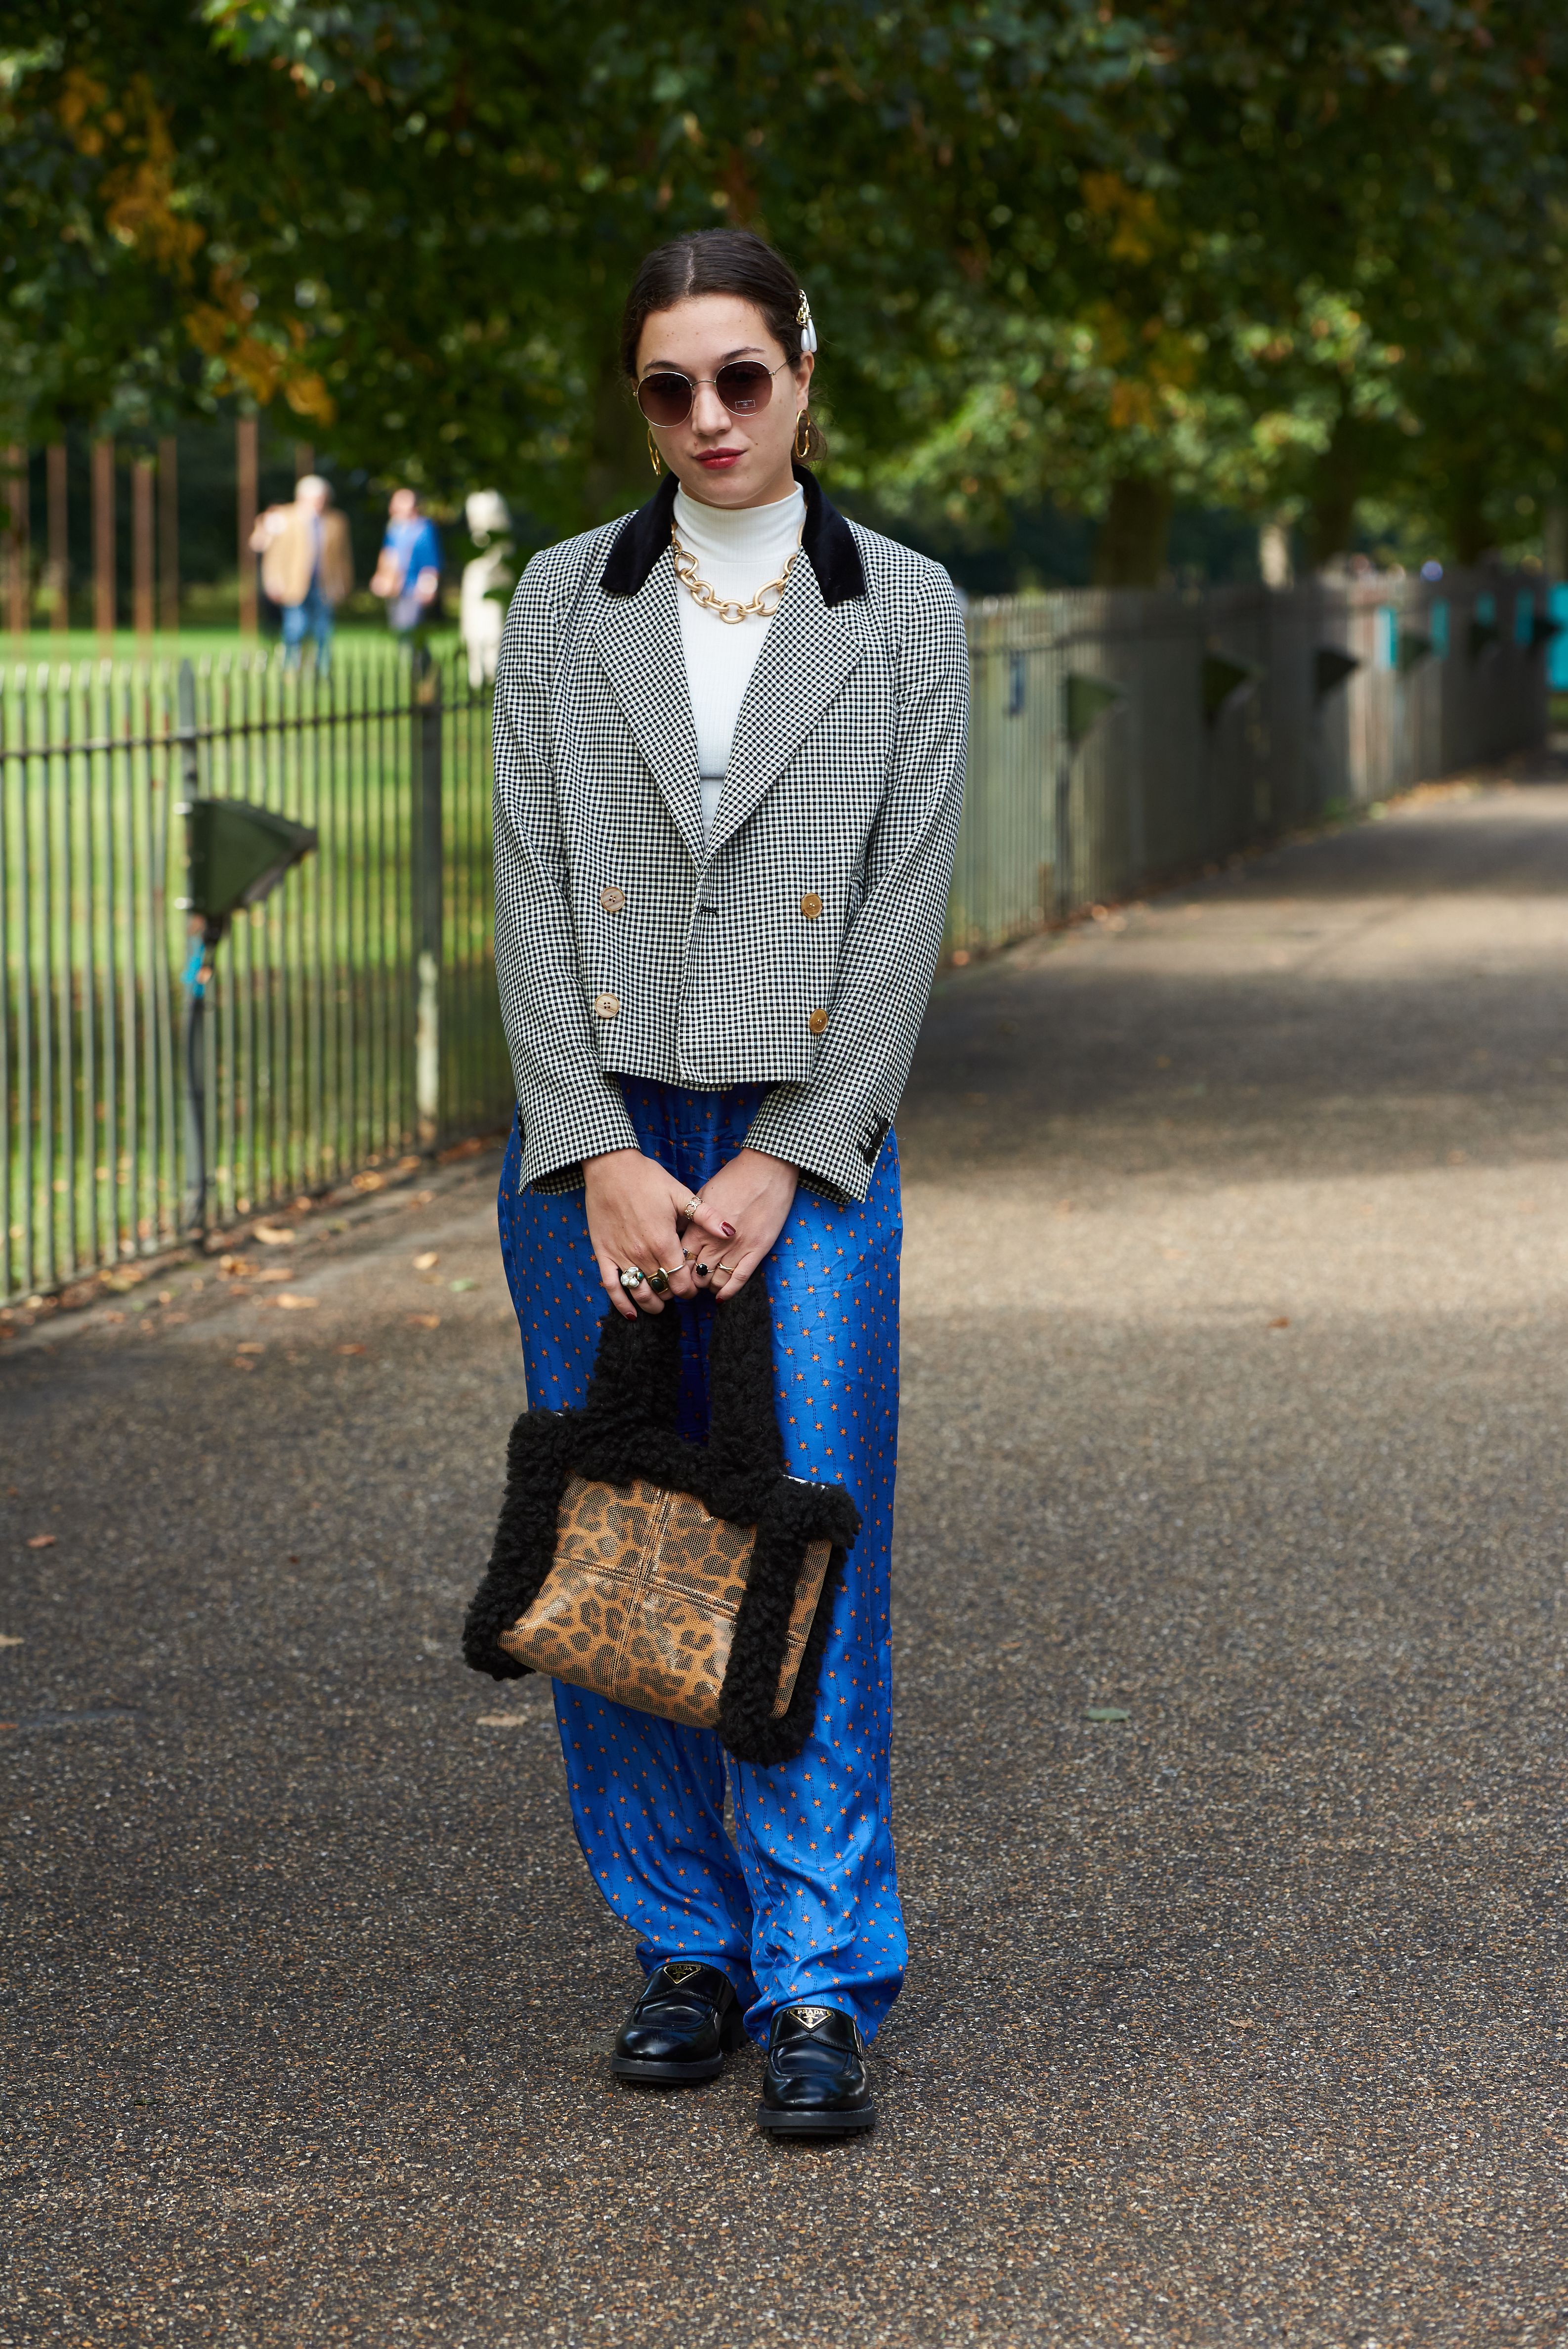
[[428, 896], [198, 972]]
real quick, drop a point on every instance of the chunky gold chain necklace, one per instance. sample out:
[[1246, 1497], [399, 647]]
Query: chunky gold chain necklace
[[763, 605]]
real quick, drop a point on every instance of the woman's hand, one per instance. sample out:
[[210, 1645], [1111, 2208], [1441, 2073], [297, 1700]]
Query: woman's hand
[[635, 1216], [750, 1200]]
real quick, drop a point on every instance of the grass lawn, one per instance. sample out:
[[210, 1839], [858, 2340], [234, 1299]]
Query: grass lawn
[[358, 640]]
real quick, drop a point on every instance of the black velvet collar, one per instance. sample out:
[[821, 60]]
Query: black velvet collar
[[827, 540]]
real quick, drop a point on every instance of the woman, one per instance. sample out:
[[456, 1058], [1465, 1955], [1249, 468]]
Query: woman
[[729, 759]]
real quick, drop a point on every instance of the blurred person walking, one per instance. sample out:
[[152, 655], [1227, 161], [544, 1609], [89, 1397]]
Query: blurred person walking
[[409, 571], [484, 580], [729, 739], [307, 567]]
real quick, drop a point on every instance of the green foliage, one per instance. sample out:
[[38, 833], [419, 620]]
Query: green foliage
[[1296, 261]]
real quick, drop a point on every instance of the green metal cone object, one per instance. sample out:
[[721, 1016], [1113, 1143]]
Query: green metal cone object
[[1222, 678], [237, 853], [1331, 665], [1085, 700]]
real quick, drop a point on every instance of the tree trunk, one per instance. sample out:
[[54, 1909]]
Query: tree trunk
[[1335, 487], [617, 475], [1556, 540], [1131, 549], [1471, 532], [1274, 567]]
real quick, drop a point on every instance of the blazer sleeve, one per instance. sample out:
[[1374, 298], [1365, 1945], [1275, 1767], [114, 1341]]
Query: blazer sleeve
[[832, 1127], [569, 1108]]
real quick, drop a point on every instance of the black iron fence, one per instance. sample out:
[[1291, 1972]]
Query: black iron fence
[[352, 1015]]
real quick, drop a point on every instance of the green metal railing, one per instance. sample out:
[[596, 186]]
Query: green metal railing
[[352, 1017]]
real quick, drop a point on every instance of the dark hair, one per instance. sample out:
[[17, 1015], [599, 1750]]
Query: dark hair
[[719, 261]]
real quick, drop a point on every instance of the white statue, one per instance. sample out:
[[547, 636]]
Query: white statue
[[485, 581]]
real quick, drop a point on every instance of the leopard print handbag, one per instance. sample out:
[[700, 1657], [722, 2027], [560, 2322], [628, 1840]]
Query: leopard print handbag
[[694, 1581]]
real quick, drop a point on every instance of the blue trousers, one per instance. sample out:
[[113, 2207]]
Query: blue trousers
[[314, 618], [802, 1905]]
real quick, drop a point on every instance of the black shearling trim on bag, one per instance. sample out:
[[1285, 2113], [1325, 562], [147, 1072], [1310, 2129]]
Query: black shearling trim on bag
[[626, 1428]]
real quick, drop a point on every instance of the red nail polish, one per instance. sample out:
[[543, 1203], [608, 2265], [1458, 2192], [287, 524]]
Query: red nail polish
[[729, 1231]]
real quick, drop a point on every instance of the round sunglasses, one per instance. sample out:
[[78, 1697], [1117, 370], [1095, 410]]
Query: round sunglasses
[[743, 387]]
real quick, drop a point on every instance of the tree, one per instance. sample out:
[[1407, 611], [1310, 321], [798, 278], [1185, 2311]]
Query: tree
[[1289, 261], [1229, 317]]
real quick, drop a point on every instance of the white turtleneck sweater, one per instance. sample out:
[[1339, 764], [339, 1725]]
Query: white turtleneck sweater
[[736, 554]]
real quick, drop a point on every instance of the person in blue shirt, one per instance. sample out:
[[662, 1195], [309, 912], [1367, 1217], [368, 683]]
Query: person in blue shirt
[[409, 572]]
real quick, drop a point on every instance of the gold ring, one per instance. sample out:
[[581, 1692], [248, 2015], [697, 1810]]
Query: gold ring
[[692, 1204], [658, 1281], [723, 1267]]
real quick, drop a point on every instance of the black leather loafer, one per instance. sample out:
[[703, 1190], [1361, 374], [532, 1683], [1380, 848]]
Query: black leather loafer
[[815, 2083], [682, 2028]]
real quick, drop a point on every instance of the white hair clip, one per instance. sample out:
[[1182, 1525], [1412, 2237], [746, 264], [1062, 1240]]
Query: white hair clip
[[803, 320]]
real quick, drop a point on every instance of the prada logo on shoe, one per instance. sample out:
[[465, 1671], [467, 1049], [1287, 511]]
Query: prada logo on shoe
[[679, 1973], [810, 2015]]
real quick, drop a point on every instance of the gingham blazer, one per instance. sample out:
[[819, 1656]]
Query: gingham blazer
[[794, 946]]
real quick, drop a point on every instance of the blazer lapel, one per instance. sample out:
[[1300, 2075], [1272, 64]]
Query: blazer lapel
[[639, 640], [810, 650]]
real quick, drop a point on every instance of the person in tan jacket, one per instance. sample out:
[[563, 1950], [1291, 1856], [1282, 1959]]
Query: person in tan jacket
[[307, 567]]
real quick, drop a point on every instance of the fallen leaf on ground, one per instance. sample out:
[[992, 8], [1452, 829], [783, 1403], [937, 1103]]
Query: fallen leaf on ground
[[244, 1362], [171, 1321], [1283, 1322], [288, 1300], [424, 1320], [504, 1720], [463, 1286], [277, 1274], [42, 1541], [10, 1640], [114, 1317], [370, 1182], [1105, 1713], [410, 1166], [427, 1262], [423, 1199], [351, 1349], [249, 1346], [275, 1235]]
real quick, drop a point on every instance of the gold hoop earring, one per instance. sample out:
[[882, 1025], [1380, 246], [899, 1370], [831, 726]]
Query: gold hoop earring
[[654, 459], [802, 433]]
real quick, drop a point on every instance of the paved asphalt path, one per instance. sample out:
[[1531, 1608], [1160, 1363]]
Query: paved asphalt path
[[1236, 1288]]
